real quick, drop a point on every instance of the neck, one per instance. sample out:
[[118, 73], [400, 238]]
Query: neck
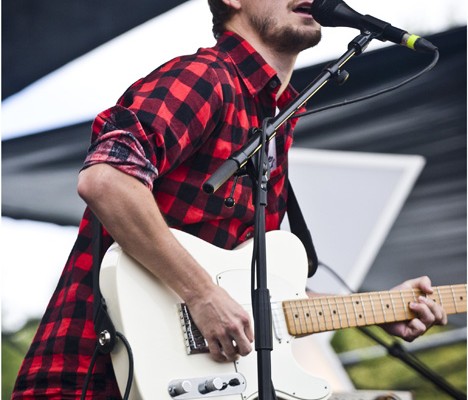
[[282, 63]]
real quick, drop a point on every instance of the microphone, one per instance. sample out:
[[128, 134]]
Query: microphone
[[338, 13]]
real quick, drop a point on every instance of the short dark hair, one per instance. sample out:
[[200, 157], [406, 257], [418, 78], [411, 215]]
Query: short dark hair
[[221, 14]]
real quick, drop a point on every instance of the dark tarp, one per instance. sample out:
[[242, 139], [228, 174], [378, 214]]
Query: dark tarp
[[427, 117], [40, 36]]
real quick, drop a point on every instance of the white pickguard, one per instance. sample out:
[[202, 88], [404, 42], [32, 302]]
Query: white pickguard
[[146, 312]]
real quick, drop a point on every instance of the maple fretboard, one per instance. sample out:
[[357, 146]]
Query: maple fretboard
[[329, 313]]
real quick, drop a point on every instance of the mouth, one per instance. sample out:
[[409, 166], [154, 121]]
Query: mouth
[[302, 8]]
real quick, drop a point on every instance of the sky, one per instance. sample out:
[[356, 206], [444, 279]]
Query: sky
[[29, 274]]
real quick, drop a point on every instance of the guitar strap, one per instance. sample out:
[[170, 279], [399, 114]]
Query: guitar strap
[[103, 326], [299, 227]]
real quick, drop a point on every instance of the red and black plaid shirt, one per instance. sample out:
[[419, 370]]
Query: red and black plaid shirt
[[171, 130]]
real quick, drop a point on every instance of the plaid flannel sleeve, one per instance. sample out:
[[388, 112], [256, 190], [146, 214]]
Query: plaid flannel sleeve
[[114, 143], [159, 122]]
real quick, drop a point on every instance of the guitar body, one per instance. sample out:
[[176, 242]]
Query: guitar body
[[149, 315]]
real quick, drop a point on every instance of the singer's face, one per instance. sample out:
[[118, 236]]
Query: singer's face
[[286, 25]]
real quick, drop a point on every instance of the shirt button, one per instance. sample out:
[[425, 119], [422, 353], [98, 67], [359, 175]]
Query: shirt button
[[273, 84], [249, 235]]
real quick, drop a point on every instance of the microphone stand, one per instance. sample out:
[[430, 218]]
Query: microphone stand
[[259, 172], [239, 159]]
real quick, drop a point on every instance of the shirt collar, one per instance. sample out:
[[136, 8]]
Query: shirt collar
[[251, 66]]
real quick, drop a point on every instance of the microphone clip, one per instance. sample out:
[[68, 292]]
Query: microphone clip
[[359, 43]]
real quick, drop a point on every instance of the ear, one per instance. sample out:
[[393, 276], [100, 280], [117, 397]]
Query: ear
[[235, 4]]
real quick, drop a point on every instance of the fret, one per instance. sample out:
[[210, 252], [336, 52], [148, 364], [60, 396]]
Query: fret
[[356, 315], [314, 316], [338, 312], [440, 297], [287, 314], [323, 311], [333, 314], [403, 302], [308, 320], [393, 306], [346, 312], [372, 308], [323, 315], [363, 309], [383, 308], [387, 305], [292, 314], [318, 316], [356, 318], [453, 298], [299, 319], [462, 297]]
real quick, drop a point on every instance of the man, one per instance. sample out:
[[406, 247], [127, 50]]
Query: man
[[150, 155]]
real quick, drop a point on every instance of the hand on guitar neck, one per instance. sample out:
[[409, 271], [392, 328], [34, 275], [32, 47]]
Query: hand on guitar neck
[[427, 311]]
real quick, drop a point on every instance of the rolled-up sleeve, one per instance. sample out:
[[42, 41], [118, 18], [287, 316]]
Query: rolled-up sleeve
[[121, 148]]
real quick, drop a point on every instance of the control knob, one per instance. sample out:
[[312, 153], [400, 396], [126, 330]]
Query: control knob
[[211, 385], [180, 388]]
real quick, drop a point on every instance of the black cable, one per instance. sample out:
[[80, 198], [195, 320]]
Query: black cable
[[130, 364], [396, 350], [90, 370], [93, 362], [375, 94]]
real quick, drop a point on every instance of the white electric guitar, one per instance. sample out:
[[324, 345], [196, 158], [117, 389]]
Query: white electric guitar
[[170, 353]]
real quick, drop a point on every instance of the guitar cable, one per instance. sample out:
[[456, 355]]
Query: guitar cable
[[398, 351], [130, 367], [130, 364]]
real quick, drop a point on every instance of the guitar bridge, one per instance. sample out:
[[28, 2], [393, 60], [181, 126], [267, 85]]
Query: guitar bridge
[[195, 343]]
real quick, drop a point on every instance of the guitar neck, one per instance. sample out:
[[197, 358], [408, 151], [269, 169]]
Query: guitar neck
[[329, 313]]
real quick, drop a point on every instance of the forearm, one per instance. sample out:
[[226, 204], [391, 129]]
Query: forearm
[[128, 211]]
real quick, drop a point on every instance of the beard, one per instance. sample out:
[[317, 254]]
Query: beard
[[286, 40]]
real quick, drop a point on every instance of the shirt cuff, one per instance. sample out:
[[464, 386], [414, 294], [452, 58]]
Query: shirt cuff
[[121, 150]]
